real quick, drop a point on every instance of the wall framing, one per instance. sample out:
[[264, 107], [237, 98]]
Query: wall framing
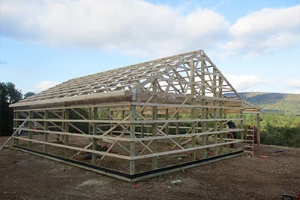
[[152, 118]]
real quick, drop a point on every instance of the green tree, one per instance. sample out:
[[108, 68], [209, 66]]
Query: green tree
[[8, 94], [28, 94]]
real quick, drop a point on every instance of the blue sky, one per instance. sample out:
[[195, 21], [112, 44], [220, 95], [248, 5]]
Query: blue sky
[[256, 44]]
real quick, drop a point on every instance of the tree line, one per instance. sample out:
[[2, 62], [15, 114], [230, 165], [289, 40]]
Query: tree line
[[280, 129], [9, 94]]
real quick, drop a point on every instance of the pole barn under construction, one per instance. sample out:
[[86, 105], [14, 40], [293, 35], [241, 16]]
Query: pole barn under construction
[[137, 121]]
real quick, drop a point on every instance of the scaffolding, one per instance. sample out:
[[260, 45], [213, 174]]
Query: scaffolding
[[138, 121]]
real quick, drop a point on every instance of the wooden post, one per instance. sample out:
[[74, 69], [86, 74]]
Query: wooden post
[[215, 110], [132, 134], [46, 116], [221, 112], [177, 123], [154, 126], [62, 137], [258, 133], [111, 124], [142, 127], [90, 117], [167, 117], [16, 125], [67, 129], [193, 111], [203, 111], [30, 127], [242, 123], [95, 116]]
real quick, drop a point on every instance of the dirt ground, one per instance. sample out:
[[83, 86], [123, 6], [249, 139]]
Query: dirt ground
[[28, 177]]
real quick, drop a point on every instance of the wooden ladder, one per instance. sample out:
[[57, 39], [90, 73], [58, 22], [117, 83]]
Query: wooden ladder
[[249, 141]]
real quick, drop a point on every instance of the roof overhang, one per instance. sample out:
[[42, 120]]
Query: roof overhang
[[85, 99]]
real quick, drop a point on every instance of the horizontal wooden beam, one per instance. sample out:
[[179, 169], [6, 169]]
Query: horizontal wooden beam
[[80, 135], [197, 106], [76, 148], [184, 120], [77, 121], [184, 150], [161, 137], [71, 99], [100, 105]]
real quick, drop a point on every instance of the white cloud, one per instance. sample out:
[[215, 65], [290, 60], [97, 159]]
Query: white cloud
[[132, 26], [45, 85], [294, 83], [138, 27], [265, 31], [244, 83]]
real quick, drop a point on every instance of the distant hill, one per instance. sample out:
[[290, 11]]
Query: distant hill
[[274, 102]]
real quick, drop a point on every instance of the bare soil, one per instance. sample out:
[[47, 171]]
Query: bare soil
[[28, 177]]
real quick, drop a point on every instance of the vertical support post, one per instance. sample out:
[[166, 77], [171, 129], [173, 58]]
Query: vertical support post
[[46, 116], [95, 117], [154, 126], [167, 117], [66, 128], [132, 134], [258, 133], [111, 124], [177, 124], [16, 125], [142, 126], [167, 126], [123, 114], [62, 137], [242, 122], [90, 125], [193, 111], [203, 111], [215, 110], [30, 127], [221, 112]]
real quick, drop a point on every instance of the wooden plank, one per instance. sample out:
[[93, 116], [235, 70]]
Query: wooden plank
[[70, 124], [160, 130], [198, 98], [188, 135], [82, 135], [154, 126], [216, 152], [193, 110], [196, 106], [184, 150], [182, 120], [16, 126], [203, 111], [79, 152], [75, 148], [77, 120], [102, 105], [132, 144], [30, 127], [70, 99], [116, 142], [94, 140], [46, 115]]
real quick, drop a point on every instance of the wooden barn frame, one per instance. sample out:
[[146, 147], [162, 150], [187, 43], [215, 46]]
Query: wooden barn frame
[[138, 121]]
